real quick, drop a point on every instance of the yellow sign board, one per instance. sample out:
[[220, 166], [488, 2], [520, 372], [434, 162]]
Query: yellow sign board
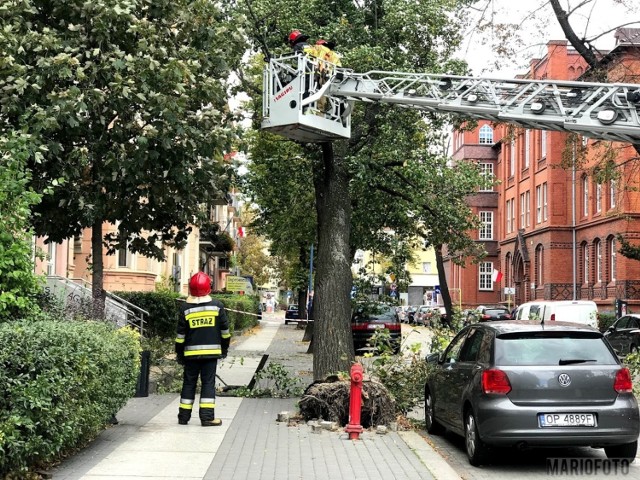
[[239, 284]]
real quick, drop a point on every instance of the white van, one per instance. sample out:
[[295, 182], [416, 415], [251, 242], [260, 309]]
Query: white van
[[584, 312]]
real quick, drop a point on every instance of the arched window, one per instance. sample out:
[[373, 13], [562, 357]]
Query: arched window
[[539, 266], [612, 258], [597, 252], [509, 270], [585, 262], [486, 134]]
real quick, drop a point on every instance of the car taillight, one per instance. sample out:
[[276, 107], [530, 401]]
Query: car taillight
[[486, 317], [623, 383], [359, 326], [495, 381], [553, 317], [393, 327]]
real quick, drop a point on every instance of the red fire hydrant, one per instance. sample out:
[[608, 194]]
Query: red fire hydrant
[[355, 403]]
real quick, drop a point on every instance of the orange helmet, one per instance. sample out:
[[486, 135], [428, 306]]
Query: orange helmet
[[296, 36], [200, 285]]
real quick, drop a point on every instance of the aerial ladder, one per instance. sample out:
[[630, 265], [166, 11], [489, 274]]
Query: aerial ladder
[[309, 100]]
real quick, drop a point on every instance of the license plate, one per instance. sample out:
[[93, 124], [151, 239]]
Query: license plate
[[373, 326], [566, 420]]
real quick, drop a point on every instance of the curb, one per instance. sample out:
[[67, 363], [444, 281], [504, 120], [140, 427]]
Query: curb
[[437, 465]]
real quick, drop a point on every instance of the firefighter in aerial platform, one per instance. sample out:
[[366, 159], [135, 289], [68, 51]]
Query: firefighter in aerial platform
[[202, 338]]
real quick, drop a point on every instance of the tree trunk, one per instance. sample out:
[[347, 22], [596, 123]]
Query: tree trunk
[[97, 270], [332, 341], [444, 287]]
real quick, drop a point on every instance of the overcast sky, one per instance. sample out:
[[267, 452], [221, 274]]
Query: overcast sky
[[540, 29]]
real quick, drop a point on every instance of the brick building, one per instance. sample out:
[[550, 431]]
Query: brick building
[[549, 228]]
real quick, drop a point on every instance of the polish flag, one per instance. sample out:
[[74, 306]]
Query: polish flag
[[496, 276], [241, 232]]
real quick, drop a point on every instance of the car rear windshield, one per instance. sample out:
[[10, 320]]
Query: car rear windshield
[[552, 348], [496, 311], [375, 314]]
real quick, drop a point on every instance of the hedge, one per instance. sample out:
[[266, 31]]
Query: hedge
[[62, 381], [163, 310]]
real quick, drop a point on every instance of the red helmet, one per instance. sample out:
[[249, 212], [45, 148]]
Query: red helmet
[[296, 36], [200, 285]]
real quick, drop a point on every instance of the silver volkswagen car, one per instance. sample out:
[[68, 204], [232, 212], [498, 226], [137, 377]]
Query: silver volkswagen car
[[527, 384]]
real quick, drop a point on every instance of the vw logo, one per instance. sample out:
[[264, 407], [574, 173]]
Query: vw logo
[[564, 380]]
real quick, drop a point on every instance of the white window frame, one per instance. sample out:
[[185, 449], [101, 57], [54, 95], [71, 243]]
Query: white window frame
[[51, 258], [598, 197], [598, 255], [128, 258], [527, 145], [545, 205], [486, 225], [612, 258], [512, 159], [585, 263], [509, 216], [585, 196], [486, 170], [539, 204], [543, 144], [485, 272], [527, 202], [612, 193], [522, 211], [485, 135], [426, 267]]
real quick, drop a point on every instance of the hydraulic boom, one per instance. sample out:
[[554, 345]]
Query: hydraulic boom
[[309, 100]]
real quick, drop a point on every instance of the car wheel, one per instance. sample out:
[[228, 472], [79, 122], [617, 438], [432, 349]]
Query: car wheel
[[433, 426], [477, 451], [627, 451]]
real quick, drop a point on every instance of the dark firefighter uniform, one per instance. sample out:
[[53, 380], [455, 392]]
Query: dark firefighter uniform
[[202, 338]]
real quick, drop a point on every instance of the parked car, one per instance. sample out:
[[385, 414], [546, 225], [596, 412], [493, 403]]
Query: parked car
[[584, 312], [368, 319], [422, 316], [411, 312], [488, 314], [624, 335], [292, 314], [522, 384]]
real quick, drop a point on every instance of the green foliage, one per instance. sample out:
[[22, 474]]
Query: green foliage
[[275, 381], [18, 284], [62, 382], [632, 361], [127, 102], [240, 303], [440, 339], [605, 320], [404, 376], [163, 311]]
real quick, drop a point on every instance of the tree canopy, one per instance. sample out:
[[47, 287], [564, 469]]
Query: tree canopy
[[127, 102]]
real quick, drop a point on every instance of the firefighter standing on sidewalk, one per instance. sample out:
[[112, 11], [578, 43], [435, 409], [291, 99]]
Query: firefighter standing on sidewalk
[[202, 338]]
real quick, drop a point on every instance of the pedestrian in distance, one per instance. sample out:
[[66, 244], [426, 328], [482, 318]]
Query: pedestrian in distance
[[202, 339]]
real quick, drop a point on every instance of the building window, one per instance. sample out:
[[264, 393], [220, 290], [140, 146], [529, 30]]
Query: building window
[[486, 270], [598, 260], [527, 203], [486, 134], [527, 147], [598, 197], [612, 194], [544, 202], [124, 258], [77, 244], [426, 267], [512, 159], [612, 259], [51, 258], [511, 220], [539, 204], [486, 226], [509, 270], [585, 195], [539, 265], [585, 263], [543, 144], [486, 170]]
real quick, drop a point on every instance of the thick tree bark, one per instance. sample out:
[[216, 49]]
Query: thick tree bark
[[444, 287], [332, 341], [97, 269]]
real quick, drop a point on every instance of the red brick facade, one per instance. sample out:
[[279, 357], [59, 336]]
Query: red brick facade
[[534, 240]]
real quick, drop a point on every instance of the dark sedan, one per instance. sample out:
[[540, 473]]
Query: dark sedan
[[624, 335], [292, 314], [522, 384], [371, 318], [488, 314]]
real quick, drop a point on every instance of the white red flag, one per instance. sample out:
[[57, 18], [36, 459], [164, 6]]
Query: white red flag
[[496, 276]]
